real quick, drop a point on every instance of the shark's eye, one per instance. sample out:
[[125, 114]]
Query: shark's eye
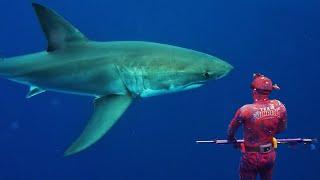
[[206, 75]]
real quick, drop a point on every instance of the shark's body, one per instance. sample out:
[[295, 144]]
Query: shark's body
[[113, 72], [90, 68]]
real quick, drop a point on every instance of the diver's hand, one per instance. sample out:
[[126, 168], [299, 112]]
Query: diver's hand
[[233, 140]]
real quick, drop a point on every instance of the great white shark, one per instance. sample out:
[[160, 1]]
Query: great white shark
[[114, 73]]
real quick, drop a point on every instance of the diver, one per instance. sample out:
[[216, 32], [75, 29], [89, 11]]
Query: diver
[[261, 121]]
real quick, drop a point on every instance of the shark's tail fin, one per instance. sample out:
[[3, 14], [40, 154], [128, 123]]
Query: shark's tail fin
[[1, 56], [7, 68], [4, 68]]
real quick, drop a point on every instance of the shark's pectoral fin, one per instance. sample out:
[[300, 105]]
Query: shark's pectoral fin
[[34, 90], [107, 110], [58, 31]]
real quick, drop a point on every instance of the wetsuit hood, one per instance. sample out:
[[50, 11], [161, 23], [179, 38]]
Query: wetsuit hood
[[262, 86], [262, 83]]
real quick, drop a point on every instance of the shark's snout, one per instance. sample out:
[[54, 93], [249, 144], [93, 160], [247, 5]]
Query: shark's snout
[[225, 69], [218, 69]]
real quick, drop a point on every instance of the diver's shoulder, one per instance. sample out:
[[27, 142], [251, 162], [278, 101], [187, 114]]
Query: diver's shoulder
[[276, 101], [246, 107], [246, 110]]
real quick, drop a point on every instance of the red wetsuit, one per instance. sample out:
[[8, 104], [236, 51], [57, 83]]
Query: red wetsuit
[[261, 121]]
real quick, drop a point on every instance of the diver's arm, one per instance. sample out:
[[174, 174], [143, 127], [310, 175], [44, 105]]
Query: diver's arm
[[283, 119], [234, 125]]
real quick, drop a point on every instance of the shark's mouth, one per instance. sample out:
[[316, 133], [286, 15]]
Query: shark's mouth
[[193, 85], [154, 92]]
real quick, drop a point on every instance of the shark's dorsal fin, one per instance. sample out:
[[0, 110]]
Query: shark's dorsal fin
[[58, 31], [34, 90]]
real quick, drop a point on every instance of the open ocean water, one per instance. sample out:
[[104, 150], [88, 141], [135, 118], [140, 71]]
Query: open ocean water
[[155, 139]]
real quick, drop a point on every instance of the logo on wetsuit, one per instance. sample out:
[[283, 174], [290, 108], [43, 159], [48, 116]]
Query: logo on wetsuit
[[267, 111]]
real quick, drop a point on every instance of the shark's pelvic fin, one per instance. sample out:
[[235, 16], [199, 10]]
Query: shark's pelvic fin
[[34, 90], [58, 31], [107, 110]]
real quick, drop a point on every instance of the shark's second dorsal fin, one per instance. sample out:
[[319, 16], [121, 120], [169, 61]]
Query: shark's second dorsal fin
[[58, 31]]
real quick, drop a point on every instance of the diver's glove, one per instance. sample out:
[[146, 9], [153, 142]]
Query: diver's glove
[[233, 140]]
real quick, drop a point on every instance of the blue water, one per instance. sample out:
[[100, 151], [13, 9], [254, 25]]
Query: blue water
[[155, 137]]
